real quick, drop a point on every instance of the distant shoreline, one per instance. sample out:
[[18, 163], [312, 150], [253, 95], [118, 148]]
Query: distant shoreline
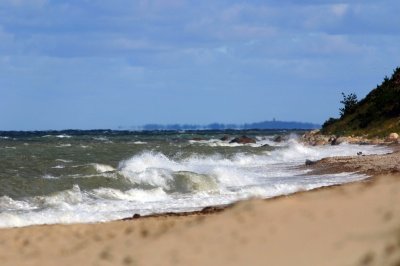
[[265, 125], [82, 132]]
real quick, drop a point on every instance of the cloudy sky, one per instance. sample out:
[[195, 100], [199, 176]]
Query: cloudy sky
[[103, 64]]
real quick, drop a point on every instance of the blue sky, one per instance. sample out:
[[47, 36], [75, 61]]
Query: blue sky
[[103, 64]]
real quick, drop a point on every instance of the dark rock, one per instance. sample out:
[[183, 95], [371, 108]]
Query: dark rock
[[224, 138], [211, 209], [265, 146], [309, 162], [333, 140], [135, 216], [278, 139], [243, 140], [359, 153]]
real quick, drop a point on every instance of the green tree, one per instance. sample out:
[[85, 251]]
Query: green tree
[[349, 104]]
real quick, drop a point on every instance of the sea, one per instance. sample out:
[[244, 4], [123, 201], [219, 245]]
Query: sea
[[74, 176]]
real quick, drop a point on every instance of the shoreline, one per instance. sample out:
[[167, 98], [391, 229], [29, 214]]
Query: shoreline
[[389, 165], [355, 223], [371, 165]]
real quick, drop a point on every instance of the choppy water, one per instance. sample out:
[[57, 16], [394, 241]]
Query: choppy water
[[48, 177]]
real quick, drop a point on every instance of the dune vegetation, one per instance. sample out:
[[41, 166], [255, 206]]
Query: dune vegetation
[[377, 115]]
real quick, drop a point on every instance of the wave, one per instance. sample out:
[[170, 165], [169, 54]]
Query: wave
[[154, 169], [261, 141], [103, 168], [138, 195], [64, 145], [103, 139], [10, 147], [7, 203], [64, 160], [152, 182], [157, 170], [66, 197], [59, 166], [47, 176], [139, 142], [61, 136]]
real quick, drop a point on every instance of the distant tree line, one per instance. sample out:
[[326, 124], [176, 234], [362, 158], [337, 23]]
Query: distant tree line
[[275, 124]]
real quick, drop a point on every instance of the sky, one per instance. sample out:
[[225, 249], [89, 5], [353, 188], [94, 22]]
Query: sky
[[87, 64]]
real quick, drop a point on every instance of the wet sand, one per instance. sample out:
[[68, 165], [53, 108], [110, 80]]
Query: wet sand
[[353, 224]]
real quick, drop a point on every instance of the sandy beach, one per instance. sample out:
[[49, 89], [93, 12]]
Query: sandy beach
[[352, 224], [199, 133]]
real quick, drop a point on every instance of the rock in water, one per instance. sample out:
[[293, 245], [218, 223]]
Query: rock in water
[[243, 140], [333, 140], [224, 138], [309, 162]]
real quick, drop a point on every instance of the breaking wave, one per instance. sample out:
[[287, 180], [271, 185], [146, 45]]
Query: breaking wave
[[152, 182]]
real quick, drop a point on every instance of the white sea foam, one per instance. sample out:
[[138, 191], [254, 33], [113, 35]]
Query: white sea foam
[[50, 176], [65, 198], [296, 152], [157, 194], [64, 160], [155, 169], [139, 142], [260, 141], [59, 166], [63, 136], [103, 168], [102, 138], [64, 145], [162, 184], [7, 203], [149, 168]]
